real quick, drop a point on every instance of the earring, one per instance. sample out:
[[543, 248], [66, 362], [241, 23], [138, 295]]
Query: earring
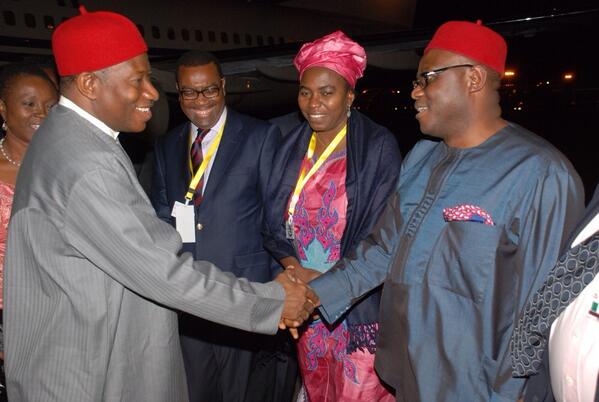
[[4, 126], [348, 112]]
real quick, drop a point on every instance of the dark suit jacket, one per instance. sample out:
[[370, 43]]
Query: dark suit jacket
[[373, 162], [231, 212], [538, 387], [288, 122]]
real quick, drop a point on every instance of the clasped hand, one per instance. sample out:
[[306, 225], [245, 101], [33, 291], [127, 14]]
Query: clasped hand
[[299, 304]]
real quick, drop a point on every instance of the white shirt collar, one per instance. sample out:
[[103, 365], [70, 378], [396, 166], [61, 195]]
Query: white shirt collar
[[66, 102]]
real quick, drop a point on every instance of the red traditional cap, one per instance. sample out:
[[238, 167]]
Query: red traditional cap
[[475, 41], [335, 51], [94, 41]]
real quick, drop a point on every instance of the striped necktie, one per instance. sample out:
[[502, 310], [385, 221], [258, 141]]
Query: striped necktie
[[196, 160]]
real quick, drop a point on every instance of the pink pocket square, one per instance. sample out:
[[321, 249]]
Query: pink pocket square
[[467, 212]]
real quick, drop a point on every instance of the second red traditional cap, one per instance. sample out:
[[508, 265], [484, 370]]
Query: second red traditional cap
[[94, 41], [473, 40]]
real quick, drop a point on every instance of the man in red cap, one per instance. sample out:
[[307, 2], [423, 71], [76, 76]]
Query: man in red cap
[[89, 267], [476, 223]]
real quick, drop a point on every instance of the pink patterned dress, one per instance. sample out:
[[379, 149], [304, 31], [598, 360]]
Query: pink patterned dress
[[7, 192], [329, 373]]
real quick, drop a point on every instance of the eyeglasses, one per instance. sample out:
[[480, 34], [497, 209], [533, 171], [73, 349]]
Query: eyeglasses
[[426, 76], [208, 92]]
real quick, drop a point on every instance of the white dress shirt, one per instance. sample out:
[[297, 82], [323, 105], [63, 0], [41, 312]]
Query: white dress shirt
[[574, 341], [207, 142], [66, 102]]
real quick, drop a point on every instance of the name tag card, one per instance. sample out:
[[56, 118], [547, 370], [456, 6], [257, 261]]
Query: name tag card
[[185, 218]]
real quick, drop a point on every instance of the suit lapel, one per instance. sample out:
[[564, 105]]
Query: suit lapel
[[354, 154], [181, 153], [298, 154], [227, 149]]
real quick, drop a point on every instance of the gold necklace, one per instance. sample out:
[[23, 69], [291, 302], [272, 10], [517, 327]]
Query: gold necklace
[[5, 154]]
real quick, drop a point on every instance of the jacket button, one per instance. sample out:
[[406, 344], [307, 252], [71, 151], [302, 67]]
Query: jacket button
[[199, 226]]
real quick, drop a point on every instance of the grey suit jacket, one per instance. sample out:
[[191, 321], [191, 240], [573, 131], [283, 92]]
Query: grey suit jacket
[[89, 270]]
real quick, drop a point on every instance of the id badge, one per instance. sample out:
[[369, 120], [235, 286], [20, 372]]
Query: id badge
[[289, 231], [185, 221]]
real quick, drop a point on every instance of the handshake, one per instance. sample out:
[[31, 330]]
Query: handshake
[[300, 301]]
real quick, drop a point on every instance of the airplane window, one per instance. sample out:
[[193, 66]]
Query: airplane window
[[224, 37], [49, 22], [198, 35], [141, 29], [260, 40], [236, 38], [30, 20], [281, 40], [9, 17], [248, 39], [155, 32], [185, 34], [211, 36], [271, 40], [170, 33]]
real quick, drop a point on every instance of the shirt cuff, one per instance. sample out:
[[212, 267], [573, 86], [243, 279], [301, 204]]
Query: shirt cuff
[[334, 302]]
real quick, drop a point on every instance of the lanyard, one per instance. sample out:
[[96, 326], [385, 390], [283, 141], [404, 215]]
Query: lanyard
[[304, 177], [198, 175]]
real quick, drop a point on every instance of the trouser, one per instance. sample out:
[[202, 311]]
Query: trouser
[[224, 364]]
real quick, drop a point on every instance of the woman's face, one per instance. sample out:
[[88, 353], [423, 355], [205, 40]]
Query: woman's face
[[26, 104], [324, 98]]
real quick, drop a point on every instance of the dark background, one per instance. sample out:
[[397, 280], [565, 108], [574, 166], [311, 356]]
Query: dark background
[[564, 112], [546, 39]]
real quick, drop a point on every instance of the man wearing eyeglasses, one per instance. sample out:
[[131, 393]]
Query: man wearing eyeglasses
[[477, 221], [233, 154]]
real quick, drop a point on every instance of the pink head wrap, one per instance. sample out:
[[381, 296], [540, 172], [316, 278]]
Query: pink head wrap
[[335, 51]]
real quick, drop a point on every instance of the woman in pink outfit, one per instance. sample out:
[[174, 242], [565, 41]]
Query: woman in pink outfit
[[331, 178], [26, 96]]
